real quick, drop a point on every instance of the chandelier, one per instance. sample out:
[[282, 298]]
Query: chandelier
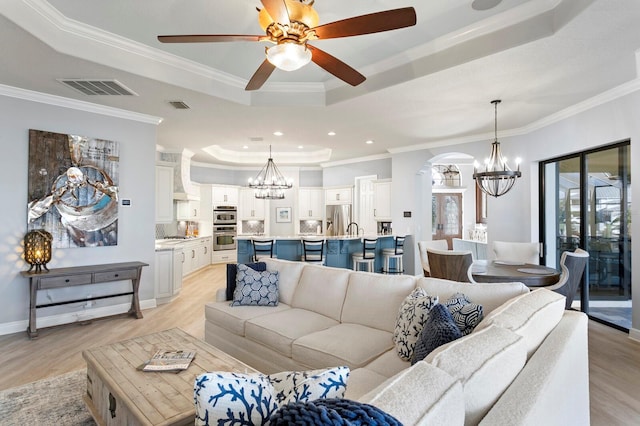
[[270, 184], [497, 178]]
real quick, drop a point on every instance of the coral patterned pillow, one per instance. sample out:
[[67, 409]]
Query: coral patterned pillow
[[303, 386], [410, 320]]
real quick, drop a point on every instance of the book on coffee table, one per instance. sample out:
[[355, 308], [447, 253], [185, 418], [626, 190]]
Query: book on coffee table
[[169, 360]]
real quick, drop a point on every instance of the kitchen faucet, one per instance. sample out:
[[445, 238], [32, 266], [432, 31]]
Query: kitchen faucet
[[357, 228]]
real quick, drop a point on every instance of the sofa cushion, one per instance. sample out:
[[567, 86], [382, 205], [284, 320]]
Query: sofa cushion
[[279, 330], [532, 315], [361, 381], [489, 295], [485, 362], [373, 299], [290, 273], [321, 289], [233, 398], [354, 345], [233, 318], [467, 315], [303, 386], [420, 395], [439, 329], [388, 364], [255, 288], [412, 315], [332, 412], [232, 270]]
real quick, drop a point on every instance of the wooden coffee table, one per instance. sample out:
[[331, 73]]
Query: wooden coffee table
[[119, 394]]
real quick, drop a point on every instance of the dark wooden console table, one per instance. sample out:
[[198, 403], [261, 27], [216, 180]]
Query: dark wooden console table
[[83, 275]]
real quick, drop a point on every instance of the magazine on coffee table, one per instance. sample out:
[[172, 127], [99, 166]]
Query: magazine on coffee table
[[169, 360]]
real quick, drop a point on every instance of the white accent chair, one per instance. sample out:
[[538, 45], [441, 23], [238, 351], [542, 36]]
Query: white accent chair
[[422, 248], [517, 252]]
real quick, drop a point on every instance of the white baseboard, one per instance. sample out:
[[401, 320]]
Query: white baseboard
[[634, 334], [71, 317]]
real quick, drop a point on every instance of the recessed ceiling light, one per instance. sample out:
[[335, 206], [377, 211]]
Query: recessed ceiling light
[[369, 142], [484, 4], [278, 133], [245, 147], [331, 133], [300, 147]]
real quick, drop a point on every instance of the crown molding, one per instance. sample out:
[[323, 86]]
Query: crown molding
[[43, 98], [356, 160]]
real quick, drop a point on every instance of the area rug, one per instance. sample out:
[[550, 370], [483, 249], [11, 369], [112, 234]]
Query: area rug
[[56, 401]]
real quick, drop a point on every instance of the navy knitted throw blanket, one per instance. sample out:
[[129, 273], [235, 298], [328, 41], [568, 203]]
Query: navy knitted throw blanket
[[332, 411]]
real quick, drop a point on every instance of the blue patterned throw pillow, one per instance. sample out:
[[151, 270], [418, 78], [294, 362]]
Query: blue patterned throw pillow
[[255, 288], [439, 329], [332, 412], [465, 313], [410, 320], [303, 386], [225, 398]]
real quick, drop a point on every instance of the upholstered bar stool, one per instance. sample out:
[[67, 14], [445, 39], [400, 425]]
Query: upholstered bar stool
[[395, 254], [262, 249], [313, 251], [368, 256]]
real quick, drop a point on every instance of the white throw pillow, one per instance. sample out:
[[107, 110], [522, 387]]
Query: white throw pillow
[[410, 321], [255, 288], [304, 386], [233, 398]]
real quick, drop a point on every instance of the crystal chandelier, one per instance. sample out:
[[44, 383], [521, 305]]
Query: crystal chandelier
[[270, 184], [497, 178]]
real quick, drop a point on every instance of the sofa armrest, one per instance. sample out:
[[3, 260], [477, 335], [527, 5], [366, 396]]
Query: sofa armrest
[[221, 295]]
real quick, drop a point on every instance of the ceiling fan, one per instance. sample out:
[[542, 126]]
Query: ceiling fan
[[290, 24]]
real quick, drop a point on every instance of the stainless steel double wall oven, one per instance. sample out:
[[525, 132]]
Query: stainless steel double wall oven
[[225, 227]]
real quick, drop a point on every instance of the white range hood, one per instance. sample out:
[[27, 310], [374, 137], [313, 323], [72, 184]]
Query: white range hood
[[183, 189]]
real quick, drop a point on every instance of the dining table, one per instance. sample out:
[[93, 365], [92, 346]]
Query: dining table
[[529, 274]]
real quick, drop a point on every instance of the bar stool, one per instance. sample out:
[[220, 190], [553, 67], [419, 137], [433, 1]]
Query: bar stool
[[368, 256], [396, 254], [262, 249], [313, 251]]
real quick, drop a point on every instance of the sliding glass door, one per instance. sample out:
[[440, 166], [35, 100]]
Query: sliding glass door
[[585, 202]]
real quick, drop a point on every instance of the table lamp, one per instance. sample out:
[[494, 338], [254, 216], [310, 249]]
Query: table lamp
[[37, 249]]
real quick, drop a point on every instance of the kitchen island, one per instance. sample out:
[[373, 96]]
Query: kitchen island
[[338, 249]]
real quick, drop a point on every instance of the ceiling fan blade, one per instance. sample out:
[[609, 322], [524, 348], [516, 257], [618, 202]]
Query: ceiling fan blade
[[335, 66], [277, 9], [204, 38], [260, 76], [368, 24]]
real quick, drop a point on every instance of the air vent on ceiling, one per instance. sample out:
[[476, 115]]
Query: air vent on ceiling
[[179, 105], [256, 139], [98, 87]]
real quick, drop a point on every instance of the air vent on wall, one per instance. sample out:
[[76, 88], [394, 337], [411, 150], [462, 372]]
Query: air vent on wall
[[98, 87], [179, 105]]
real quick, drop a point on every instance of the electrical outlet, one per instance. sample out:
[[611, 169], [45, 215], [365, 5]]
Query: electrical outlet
[[89, 302]]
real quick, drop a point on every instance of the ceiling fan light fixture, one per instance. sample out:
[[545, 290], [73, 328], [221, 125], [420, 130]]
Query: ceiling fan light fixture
[[289, 56]]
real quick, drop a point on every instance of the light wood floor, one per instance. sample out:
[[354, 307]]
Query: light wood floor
[[614, 359]]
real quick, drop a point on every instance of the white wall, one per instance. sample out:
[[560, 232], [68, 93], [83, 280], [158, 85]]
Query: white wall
[[137, 138]]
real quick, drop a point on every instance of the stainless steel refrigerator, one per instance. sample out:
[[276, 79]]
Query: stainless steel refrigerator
[[338, 218]]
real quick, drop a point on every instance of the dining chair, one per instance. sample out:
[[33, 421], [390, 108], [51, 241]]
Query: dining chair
[[573, 265], [450, 265], [394, 254], [517, 252], [313, 251], [367, 257], [422, 248], [262, 249]]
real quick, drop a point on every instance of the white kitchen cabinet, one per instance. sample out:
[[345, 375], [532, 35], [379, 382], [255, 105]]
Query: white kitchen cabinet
[[382, 201], [224, 195], [310, 203], [342, 195], [188, 210], [197, 254], [250, 207], [204, 252], [164, 194], [168, 274], [189, 264], [224, 256]]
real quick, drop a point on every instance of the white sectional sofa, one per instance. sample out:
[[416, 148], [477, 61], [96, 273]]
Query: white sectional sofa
[[524, 364]]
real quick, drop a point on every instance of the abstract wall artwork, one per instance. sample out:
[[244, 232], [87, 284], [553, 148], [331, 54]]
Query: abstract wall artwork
[[73, 189]]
